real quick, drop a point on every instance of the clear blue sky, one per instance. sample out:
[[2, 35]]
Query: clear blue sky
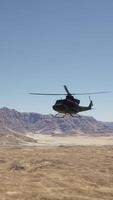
[[45, 44]]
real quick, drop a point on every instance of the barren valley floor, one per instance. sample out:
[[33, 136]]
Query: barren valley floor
[[56, 173]]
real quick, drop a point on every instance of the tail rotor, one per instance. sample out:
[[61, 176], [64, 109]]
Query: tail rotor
[[91, 103]]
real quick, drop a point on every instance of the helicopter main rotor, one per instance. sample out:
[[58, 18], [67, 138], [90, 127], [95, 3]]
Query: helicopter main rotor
[[67, 92]]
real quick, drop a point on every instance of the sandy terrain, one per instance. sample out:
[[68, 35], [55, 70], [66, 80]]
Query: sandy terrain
[[56, 173], [56, 140]]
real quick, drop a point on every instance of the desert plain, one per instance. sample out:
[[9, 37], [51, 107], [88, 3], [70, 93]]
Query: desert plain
[[58, 168]]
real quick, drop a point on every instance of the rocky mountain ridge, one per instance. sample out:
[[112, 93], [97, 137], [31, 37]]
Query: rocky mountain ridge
[[17, 122]]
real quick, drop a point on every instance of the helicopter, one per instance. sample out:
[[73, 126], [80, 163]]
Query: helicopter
[[70, 105]]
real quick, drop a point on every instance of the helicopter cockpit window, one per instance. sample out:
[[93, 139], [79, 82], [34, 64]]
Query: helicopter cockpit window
[[58, 102]]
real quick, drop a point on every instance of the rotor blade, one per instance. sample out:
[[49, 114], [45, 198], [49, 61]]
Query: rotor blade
[[87, 93], [65, 87], [33, 93]]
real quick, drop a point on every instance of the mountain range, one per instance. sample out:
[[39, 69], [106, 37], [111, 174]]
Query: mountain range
[[12, 121]]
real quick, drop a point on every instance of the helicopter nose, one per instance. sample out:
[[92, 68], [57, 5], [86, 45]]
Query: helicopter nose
[[55, 107]]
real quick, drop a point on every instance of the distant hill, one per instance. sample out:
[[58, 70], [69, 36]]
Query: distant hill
[[15, 139], [17, 122]]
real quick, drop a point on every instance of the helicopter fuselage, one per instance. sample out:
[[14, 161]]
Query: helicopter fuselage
[[69, 107]]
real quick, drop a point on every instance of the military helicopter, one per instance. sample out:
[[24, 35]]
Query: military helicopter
[[70, 105]]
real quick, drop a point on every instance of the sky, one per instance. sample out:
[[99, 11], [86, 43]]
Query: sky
[[46, 44]]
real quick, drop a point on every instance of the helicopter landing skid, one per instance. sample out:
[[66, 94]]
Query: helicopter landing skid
[[76, 115], [64, 115], [58, 116]]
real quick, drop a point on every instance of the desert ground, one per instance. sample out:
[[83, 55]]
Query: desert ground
[[71, 140], [56, 172]]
